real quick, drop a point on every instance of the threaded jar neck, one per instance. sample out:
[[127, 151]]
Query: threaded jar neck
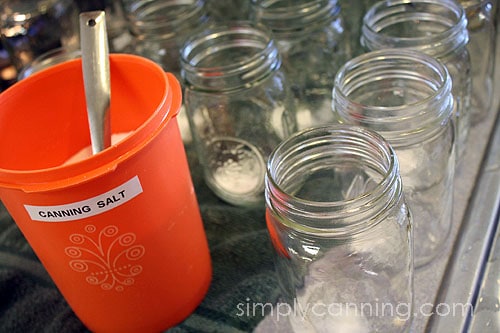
[[435, 27], [166, 19], [229, 57], [289, 19], [404, 95], [360, 163]]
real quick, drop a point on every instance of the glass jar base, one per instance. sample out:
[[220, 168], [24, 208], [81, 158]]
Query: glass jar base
[[237, 171]]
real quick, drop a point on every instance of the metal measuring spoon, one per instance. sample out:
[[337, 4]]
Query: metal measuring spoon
[[96, 77]]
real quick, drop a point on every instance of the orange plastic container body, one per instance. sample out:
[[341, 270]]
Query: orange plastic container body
[[119, 232]]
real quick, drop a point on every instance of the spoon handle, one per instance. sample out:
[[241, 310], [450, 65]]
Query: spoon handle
[[96, 77]]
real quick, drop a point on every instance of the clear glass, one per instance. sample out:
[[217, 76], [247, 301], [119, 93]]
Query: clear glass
[[405, 96], [228, 10], [352, 12], [481, 46], [435, 27], [342, 232], [119, 38], [47, 60], [161, 28], [312, 40], [30, 28], [239, 107]]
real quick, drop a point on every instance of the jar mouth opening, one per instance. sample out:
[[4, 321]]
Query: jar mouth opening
[[400, 93], [229, 56], [284, 16], [152, 16], [199, 52], [373, 180], [428, 25]]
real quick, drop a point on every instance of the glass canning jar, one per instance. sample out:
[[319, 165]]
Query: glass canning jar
[[160, 28], [341, 230], [352, 11], [481, 46], [48, 59], [238, 104], [313, 43], [227, 11], [435, 27], [405, 96]]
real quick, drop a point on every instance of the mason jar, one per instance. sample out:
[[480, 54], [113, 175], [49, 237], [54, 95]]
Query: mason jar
[[314, 43], [405, 96], [481, 46], [48, 59], [239, 107], [352, 12], [228, 10], [435, 27], [342, 232], [160, 28]]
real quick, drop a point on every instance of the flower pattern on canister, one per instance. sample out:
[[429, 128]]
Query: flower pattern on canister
[[109, 259]]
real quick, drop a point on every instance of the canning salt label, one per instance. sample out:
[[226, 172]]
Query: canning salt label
[[89, 207]]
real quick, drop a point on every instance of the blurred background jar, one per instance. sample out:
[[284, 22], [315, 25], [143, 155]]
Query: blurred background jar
[[30, 28], [314, 43], [482, 49], [352, 12], [239, 107], [405, 95], [342, 232], [435, 27], [228, 10], [160, 28], [48, 59]]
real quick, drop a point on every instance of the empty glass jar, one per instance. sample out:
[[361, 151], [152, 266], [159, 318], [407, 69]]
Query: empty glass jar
[[161, 28], [239, 107], [342, 232], [226, 11], [435, 27], [47, 60], [314, 43], [481, 46], [352, 11], [405, 96]]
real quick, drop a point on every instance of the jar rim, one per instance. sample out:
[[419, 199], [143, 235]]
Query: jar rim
[[358, 210], [386, 13], [175, 15], [285, 18], [228, 37], [427, 114]]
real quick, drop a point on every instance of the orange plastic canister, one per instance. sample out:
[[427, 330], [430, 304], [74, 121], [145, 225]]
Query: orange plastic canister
[[119, 232]]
